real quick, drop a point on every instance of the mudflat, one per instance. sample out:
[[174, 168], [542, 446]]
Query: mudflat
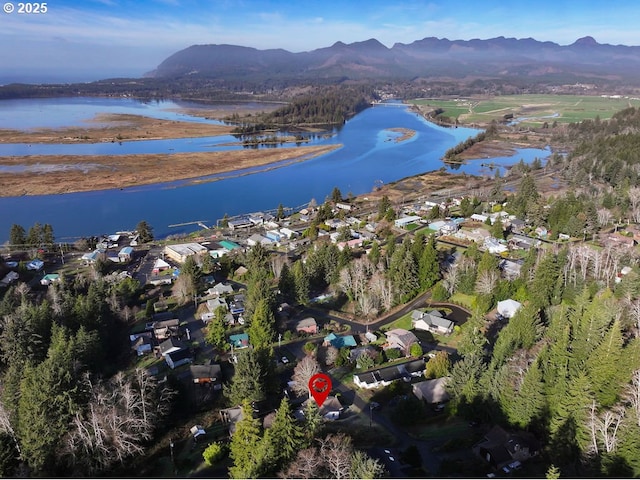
[[55, 174]]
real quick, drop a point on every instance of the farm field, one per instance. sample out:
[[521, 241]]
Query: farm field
[[530, 110]]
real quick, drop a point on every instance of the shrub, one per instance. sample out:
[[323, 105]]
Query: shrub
[[415, 350], [214, 453], [392, 353]]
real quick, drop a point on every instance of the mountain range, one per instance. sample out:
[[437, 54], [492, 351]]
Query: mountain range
[[427, 58]]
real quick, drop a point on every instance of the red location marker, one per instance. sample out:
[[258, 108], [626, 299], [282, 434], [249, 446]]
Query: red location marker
[[320, 387]]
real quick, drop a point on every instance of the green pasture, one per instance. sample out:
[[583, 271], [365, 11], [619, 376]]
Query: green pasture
[[531, 110]]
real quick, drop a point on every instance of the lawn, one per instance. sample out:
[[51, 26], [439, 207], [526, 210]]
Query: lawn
[[402, 322], [533, 110], [463, 299]]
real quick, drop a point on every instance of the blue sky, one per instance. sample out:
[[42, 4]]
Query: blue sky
[[93, 39]]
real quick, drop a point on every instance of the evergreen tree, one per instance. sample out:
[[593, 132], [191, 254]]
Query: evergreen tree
[[604, 367], [47, 235], [336, 195], [472, 339], [301, 278], [247, 450], [262, 326], [529, 402], [214, 334], [429, 268], [283, 439], [17, 236], [287, 284], [249, 379], [568, 427], [374, 253], [145, 232], [35, 235]]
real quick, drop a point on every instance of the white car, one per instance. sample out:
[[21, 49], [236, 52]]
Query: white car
[[285, 360]]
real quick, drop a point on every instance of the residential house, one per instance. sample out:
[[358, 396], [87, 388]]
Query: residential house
[[523, 242], [159, 266], [382, 377], [160, 280], [49, 278], [125, 254], [355, 353], [401, 339], [508, 308], [432, 391], [499, 447], [236, 306], [432, 322], [229, 245], [330, 409], [403, 222], [9, 278], [256, 239], [237, 223], [335, 223], [339, 341], [207, 374], [165, 329], [307, 325], [239, 340], [449, 228], [179, 357], [517, 225], [180, 252], [510, 269], [344, 206], [91, 257], [622, 240], [623, 272], [478, 235], [288, 233], [274, 235], [494, 246], [354, 243], [541, 231], [476, 217], [220, 289], [214, 303], [141, 343], [171, 345]]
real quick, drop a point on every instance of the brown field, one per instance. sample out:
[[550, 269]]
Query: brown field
[[115, 128], [54, 174]]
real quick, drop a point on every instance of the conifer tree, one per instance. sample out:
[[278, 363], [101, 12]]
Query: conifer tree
[[283, 439], [247, 449], [262, 327]]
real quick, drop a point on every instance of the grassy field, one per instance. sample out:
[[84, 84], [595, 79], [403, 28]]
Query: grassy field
[[531, 110]]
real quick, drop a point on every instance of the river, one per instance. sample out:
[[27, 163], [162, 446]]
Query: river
[[369, 155]]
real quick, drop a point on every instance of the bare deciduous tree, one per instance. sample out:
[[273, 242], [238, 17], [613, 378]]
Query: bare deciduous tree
[[631, 395], [486, 282], [307, 464], [302, 373], [336, 450], [120, 416]]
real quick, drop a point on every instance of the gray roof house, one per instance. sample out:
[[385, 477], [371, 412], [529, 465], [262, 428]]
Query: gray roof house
[[401, 339], [432, 322], [432, 391]]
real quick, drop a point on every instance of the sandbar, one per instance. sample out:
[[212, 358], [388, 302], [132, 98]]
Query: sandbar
[[115, 128], [65, 173]]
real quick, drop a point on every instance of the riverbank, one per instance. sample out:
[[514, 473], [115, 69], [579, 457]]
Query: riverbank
[[116, 128], [56, 174]]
